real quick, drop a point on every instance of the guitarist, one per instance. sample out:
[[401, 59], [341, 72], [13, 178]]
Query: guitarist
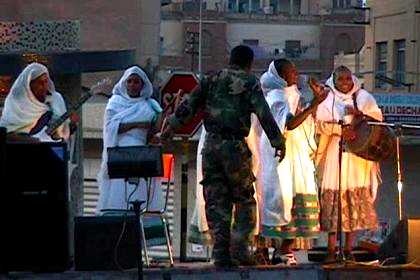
[[31, 103]]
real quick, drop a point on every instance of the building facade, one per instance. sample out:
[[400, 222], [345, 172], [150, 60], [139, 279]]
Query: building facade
[[309, 32], [393, 46]]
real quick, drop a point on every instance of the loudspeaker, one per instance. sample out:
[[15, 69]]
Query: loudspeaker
[[34, 208], [135, 162], [96, 239], [403, 243]]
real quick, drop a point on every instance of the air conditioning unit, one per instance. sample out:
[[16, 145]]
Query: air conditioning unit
[[268, 10]]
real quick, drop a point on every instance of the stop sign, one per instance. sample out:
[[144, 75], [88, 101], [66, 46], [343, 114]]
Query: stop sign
[[176, 88]]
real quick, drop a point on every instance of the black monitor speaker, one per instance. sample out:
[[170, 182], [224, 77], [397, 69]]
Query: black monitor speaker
[[135, 161], [97, 246], [403, 243]]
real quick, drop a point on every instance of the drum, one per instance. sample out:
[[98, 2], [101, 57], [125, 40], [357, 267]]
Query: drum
[[372, 142]]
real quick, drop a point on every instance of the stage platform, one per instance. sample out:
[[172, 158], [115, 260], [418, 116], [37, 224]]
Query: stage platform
[[206, 271]]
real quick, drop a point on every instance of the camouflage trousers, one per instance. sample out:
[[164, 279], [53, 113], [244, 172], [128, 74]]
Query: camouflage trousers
[[227, 183]]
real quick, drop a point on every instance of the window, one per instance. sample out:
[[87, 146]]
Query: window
[[399, 55], [381, 65], [296, 7], [341, 4], [288, 7], [250, 42], [293, 49], [161, 45], [275, 5], [232, 5], [284, 6], [243, 6], [344, 43], [255, 5]]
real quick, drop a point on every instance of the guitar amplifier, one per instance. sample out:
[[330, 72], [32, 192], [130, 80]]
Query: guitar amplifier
[[34, 210], [135, 162], [96, 239]]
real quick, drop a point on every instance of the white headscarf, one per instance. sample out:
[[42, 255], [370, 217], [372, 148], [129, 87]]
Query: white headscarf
[[22, 110], [127, 106], [332, 109], [271, 80], [122, 108], [281, 98], [121, 87]]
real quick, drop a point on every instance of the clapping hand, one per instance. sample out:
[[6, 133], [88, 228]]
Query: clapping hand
[[320, 92], [166, 134], [280, 152]]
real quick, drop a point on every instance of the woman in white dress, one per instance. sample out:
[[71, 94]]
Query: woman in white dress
[[359, 177], [290, 197], [130, 115], [32, 95]]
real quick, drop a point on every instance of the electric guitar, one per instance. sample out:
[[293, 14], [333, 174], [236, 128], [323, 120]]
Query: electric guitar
[[46, 126]]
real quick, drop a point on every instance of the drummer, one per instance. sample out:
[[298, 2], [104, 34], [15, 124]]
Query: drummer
[[360, 178]]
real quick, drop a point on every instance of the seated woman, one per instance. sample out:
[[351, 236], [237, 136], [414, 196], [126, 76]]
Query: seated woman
[[31, 97], [130, 116]]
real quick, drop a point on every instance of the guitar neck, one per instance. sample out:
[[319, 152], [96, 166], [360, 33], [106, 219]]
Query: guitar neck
[[56, 123]]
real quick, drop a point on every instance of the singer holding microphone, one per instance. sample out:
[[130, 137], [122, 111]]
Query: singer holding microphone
[[360, 178]]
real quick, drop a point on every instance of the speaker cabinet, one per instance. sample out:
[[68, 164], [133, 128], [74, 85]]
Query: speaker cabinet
[[34, 208], [403, 243], [96, 240]]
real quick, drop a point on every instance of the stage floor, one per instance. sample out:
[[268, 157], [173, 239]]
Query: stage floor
[[206, 271]]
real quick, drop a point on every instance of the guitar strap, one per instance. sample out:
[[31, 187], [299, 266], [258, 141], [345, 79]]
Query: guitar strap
[[354, 100]]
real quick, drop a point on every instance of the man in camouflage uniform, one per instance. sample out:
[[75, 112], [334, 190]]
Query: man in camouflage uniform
[[228, 99]]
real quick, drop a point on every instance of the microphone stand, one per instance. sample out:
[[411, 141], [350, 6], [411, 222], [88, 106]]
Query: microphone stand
[[340, 258]]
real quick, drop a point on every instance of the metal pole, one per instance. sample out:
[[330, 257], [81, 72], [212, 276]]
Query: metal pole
[[399, 176], [200, 38], [184, 200], [341, 257], [136, 207]]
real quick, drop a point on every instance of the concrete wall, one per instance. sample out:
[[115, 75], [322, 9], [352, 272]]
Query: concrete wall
[[215, 48], [353, 61], [105, 25], [330, 34], [172, 33], [272, 36], [321, 35], [394, 20]]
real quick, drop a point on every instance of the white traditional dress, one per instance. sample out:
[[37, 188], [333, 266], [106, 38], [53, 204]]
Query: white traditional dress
[[199, 229], [22, 110], [360, 178], [289, 189], [121, 108]]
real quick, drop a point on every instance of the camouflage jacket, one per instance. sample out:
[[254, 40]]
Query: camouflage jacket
[[228, 99]]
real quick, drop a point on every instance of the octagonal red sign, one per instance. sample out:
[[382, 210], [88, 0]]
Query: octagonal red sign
[[174, 90]]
